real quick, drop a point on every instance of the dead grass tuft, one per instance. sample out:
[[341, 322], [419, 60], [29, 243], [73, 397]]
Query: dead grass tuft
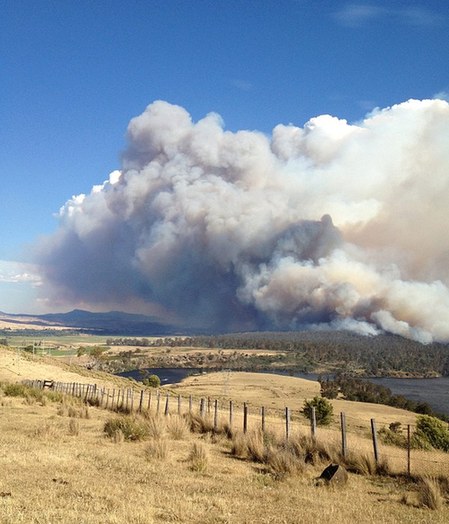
[[198, 457], [281, 463], [156, 449], [177, 427], [74, 427], [255, 445], [430, 495]]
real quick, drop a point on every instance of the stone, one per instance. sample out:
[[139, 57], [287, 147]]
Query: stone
[[334, 474]]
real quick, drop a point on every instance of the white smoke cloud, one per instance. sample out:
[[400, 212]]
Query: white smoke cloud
[[332, 223]]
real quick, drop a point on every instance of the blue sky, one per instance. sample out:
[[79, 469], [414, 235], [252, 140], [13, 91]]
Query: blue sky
[[74, 73]]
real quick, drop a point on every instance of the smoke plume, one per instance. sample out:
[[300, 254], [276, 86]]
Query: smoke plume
[[332, 223]]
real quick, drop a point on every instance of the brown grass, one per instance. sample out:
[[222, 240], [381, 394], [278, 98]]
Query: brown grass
[[48, 475], [156, 449], [430, 495]]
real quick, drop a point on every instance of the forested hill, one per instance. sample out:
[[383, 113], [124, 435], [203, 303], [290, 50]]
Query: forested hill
[[336, 350]]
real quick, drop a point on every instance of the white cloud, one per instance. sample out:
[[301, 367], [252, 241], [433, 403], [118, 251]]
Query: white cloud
[[18, 272]]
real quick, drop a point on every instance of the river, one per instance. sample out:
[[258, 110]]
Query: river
[[434, 391]]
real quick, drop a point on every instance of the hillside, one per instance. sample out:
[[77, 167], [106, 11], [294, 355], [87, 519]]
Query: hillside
[[112, 322], [58, 466]]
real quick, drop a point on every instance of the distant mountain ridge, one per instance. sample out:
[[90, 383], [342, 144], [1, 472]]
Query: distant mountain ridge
[[110, 323]]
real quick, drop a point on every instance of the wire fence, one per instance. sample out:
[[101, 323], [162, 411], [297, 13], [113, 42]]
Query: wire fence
[[245, 417]]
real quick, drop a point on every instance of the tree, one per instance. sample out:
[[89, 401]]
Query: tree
[[323, 410], [153, 381]]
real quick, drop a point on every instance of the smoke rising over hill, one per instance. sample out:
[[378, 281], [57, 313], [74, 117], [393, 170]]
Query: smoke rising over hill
[[331, 223]]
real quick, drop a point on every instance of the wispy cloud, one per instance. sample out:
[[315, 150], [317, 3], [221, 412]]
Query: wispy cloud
[[17, 273], [360, 14], [442, 95], [356, 15]]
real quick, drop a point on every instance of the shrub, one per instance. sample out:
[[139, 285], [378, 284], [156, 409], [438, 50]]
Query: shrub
[[15, 390], [153, 381], [392, 437], [132, 428], [323, 410], [434, 431]]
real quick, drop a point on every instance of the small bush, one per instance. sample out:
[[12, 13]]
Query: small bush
[[323, 410], [133, 429], [432, 430], [15, 390], [198, 457], [152, 381], [54, 396], [392, 437]]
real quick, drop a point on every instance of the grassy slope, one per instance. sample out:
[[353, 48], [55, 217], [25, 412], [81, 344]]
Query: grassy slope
[[48, 475]]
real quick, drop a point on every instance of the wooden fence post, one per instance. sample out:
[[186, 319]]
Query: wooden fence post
[[158, 401], [107, 400], [132, 399], [231, 413], [141, 400], [166, 406], [313, 422], [179, 405], [409, 446], [149, 401], [245, 417], [287, 423], [374, 434], [262, 412], [344, 446], [127, 398], [190, 404], [202, 407], [215, 416]]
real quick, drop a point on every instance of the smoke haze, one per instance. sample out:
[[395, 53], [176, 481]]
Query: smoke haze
[[329, 224]]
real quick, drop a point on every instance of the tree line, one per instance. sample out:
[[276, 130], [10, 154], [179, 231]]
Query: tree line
[[381, 355]]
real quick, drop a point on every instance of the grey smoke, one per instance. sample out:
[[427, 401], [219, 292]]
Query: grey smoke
[[330, 224]]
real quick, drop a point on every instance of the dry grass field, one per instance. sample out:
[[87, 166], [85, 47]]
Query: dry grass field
[[58, 465]]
